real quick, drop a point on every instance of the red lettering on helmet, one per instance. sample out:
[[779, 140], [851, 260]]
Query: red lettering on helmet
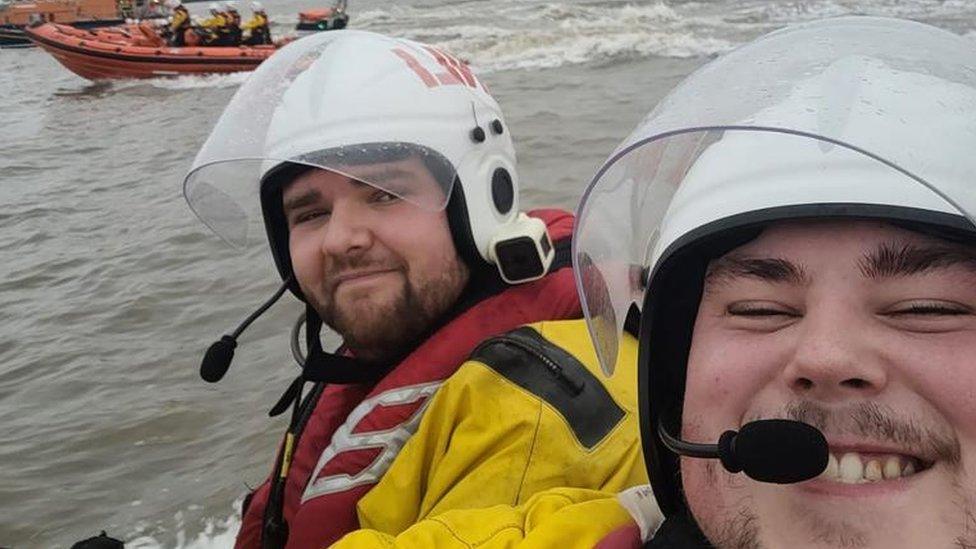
[[416, 67], [457, 68], [456, 73]]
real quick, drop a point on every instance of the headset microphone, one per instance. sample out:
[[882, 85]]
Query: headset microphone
[[778, 451], [221, 352]]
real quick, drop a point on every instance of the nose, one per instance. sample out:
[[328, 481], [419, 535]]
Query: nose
[[835, 358], [348, 231]]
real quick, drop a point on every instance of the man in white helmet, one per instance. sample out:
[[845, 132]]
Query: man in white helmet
[[386, 178], [179, 23], [232, 30], [213, 27], [257, 27], [795, 225]]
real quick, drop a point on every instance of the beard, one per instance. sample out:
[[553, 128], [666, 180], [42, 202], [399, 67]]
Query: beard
[[381, 330]]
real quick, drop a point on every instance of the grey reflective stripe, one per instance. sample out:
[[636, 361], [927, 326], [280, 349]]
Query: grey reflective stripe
[[390, 440], [530, 361]]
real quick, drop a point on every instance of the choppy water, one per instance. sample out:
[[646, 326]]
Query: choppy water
[[110, 290]]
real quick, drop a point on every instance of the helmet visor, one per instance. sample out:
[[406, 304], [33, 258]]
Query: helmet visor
[[294, 111], [865, 117]]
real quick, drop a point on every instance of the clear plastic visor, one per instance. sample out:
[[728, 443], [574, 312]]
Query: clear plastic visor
[[848, 110], [294, 109], [225, 195], [650, 195]]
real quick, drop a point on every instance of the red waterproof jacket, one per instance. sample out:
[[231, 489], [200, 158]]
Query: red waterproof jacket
[[356, 431]]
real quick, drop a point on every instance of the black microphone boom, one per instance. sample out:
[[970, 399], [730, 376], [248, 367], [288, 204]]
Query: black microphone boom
[[779, 451], [221, 352]]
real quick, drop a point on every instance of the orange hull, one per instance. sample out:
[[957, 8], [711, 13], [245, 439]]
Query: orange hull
[[112, 54], [19, 13]]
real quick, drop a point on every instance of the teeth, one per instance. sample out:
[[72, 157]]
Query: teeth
[[853, 468], [833, 468], [892, 467], [872, 471]]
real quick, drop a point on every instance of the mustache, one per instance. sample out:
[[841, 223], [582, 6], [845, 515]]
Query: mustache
[[343, 264], [881, 423]]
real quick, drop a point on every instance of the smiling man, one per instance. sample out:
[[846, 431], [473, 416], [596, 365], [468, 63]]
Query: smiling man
[[388, 189], [800, 212], [383, 262]]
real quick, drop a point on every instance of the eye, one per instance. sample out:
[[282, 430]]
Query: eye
[[760, 316], [383, 197], [929, 309], [310, 215], [759, 310]]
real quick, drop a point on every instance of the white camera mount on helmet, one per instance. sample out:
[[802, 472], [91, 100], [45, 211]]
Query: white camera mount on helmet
[[346, 101], [851, 117]]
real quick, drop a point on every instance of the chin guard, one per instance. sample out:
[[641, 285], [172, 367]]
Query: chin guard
[[522, 250]]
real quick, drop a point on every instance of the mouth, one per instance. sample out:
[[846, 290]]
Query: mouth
[[359, 276], [865, 465]]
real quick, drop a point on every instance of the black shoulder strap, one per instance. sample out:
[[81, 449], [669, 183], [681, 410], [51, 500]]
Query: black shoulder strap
[[530, 361], [563, 254]]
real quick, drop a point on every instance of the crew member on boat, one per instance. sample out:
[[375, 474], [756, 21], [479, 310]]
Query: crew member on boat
[[212, 27], [231, 32], [179, 23], [258, 28]]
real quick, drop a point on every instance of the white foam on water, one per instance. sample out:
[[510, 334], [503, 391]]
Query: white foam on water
[[552, 35], [193, 81], [217, 533], [185, 81]]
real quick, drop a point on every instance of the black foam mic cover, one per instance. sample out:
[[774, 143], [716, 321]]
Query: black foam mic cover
[[217, 360], [779, 451]]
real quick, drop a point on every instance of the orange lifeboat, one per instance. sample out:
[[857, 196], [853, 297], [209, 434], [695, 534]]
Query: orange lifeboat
[[136, 51], [16, 15], [332, 18]]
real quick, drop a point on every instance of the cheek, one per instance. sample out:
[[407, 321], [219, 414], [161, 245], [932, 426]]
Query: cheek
[[306, 261], [942, 370], [727, 372], [422, 241]]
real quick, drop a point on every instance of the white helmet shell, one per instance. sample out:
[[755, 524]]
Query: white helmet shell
[[214, 7], [230, 5], [875, 113], [330, 97], [256, 6]]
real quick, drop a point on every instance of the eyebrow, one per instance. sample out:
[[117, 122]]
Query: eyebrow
[[892, 260], [769, 269], [302, 200]]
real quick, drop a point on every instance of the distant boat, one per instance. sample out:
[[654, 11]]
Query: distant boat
[[334, 18], [16, 15], [129, 52]]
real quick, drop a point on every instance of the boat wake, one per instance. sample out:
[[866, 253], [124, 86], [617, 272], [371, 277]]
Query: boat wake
[[216, 534], [184, 82]]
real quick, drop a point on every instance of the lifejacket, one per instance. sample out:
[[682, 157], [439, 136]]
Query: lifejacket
[[181, 19], [352, 433]]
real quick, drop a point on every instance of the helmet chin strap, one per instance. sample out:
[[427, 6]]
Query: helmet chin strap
[[325, 367]]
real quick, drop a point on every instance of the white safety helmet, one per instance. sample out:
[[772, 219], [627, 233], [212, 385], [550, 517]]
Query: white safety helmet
[[230, 6], [256, 6], [851, 117], [214, 7], [342, 101]]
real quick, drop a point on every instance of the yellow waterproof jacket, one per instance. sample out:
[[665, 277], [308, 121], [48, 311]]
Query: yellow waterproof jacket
[[215, 22], [256, 21], [529, 413], [181, 19]]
